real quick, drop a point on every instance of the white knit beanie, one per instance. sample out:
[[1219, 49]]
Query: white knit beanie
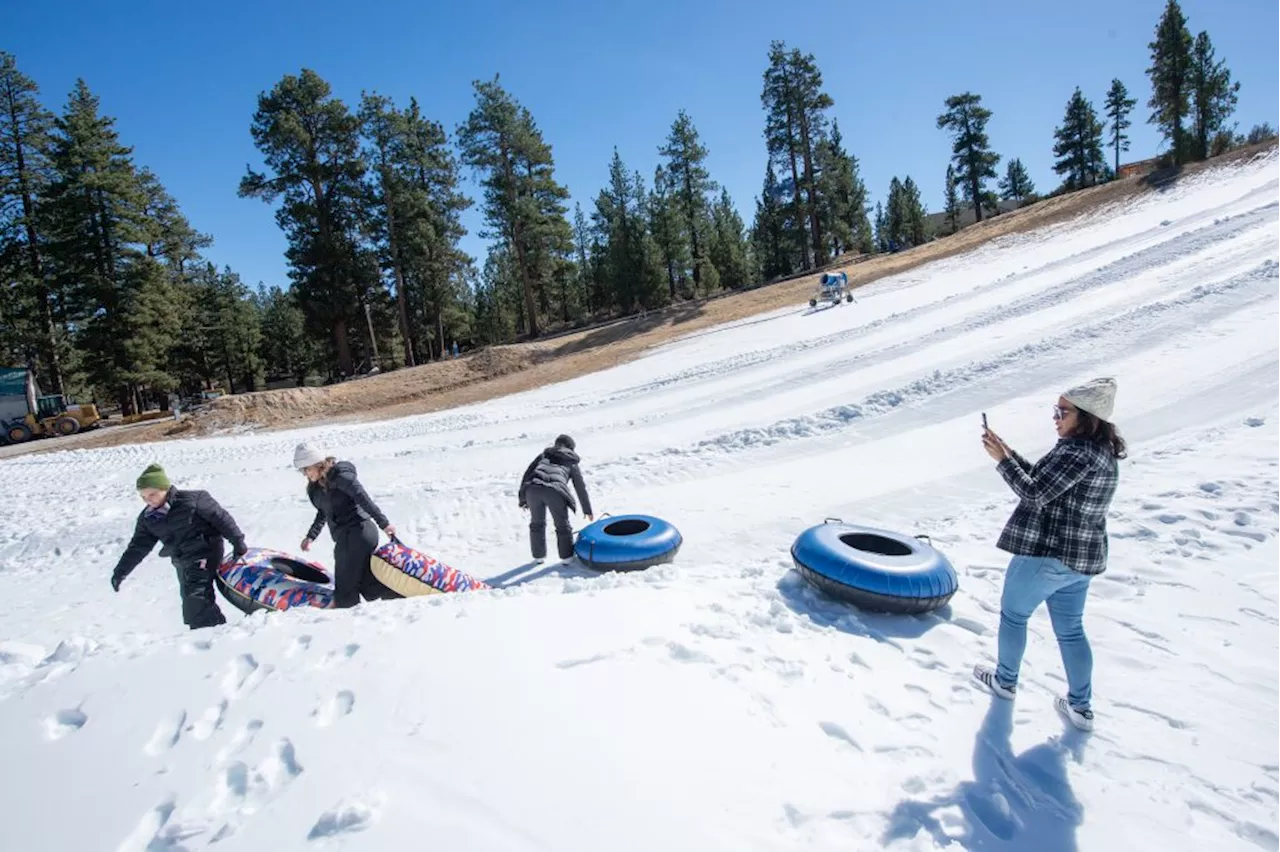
[[1096, 396], [307, 454]]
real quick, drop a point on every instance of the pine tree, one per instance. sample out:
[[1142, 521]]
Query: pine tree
[[768, 231], [25, 126], [795, 126], [914, 214], [951, 200], [1079, 144], [310, 142], [1016, 184], [666, 225], [728, 251], [1170, 74], [95, 220], [523, 202], [435, 265], [882, 227], [974, 160], [845, 197], [690, 184], [1214, 95], [1119, 105]]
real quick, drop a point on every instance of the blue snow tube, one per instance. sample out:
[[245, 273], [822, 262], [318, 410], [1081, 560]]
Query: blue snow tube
[[874, 569], [627, 543]]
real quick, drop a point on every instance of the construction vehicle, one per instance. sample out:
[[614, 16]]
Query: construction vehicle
[[25, 413]]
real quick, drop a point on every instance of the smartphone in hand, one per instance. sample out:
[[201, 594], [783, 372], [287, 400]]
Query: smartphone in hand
[[984, 421]]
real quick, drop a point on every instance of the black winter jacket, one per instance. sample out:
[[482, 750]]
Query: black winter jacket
[[194, 524], [554, 469], [342, 502]]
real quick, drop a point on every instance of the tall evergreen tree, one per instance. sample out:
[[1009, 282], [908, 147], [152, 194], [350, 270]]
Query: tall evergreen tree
[[795, 127], [311, 145], [729, 251], [1119, 105], [1016, 184], [1170, 75], [1078, 145], [25, 126], [435, 264], [1214, 95], [844, 195], [667, 226], [974, 160], [690, 184], [768, 231], [523, 202], [915, 230], [951, 201], [95, 215]]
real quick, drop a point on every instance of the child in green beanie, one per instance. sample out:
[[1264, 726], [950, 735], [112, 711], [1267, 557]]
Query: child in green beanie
[[191, 527]]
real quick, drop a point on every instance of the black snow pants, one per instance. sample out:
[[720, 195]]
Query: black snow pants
[[540, 500], [195, 582], [352, 549]]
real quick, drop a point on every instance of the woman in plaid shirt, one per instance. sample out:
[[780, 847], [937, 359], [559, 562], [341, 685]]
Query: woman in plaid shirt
[[1058, 535]]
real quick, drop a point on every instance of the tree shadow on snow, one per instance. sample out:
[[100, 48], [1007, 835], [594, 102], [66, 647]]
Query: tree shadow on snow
[[821, 608], [530, 571], [1014, 802]]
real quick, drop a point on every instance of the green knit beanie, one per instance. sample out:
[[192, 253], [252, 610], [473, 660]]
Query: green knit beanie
[[153, 477]]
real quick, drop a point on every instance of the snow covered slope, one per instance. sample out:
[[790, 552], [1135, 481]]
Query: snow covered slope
[[717, 703]]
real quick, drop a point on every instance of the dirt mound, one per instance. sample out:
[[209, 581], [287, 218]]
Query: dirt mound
[[290, 407]]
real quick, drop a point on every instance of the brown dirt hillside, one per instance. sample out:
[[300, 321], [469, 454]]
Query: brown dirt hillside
[[502, 370]]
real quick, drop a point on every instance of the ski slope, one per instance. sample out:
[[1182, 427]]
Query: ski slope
[[717, 703]]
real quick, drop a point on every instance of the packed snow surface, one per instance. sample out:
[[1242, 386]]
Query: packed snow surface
[[718, 702]]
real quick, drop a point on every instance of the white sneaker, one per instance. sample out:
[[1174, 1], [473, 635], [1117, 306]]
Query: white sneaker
[[987, 677], [1081, 718]]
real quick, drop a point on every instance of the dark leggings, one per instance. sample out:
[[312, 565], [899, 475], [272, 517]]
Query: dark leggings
[[352, 548]]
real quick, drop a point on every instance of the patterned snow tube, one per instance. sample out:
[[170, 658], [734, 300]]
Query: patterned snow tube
[[627, 543], [411, 573], [269, 579], [873, 569]]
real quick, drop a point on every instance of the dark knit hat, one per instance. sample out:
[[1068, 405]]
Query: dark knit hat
[[153, 477], [566, 442]]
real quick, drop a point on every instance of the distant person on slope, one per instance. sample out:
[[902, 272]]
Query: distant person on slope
[[1058, 535], [342, 503], [190, 526], [545, 486]]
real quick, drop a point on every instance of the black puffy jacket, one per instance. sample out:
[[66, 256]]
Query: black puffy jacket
[[187, 532], [342, 502], [554, 468]]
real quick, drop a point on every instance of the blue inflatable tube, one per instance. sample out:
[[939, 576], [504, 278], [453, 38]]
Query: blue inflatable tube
[[627, 543], [874, 569]]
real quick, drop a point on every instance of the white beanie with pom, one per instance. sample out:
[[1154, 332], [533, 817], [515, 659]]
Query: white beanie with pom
[[307, 454], [1096, 396]]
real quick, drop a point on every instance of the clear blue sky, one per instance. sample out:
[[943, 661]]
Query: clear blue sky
[[182, 80]]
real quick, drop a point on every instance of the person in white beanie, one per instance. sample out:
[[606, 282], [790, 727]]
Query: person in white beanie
[[1058, 538], [353, 520]]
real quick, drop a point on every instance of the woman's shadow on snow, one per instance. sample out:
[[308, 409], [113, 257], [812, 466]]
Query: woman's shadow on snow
[[1014, 802]]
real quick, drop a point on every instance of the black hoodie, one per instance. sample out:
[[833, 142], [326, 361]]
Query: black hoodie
[[553, 469]]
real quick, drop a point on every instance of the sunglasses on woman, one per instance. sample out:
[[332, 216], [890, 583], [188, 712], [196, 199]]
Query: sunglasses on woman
[[1060, 413]]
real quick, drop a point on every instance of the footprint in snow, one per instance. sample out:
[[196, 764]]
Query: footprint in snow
[[837, 732], [167, 733], [209, 721], [352, 814], [242, 676], [298, 645], [335, 708], [1255, 421], [64, 722], [242, 739]]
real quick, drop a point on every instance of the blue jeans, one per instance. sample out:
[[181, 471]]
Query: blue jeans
[[1030, 581]]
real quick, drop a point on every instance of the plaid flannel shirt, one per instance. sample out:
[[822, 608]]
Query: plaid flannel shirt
[[1063, 508]]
